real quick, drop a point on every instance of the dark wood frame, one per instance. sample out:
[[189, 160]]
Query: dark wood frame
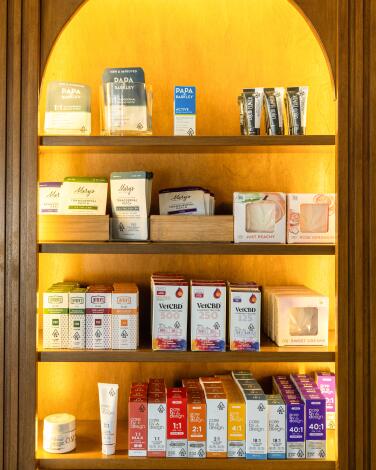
[[26, 20]]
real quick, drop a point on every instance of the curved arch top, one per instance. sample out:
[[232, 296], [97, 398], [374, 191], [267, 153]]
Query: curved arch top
[[321, 16]]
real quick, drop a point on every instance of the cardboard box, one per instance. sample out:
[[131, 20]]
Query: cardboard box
[[169, 312], [311, 218], [208, 316], [196, 425], [157, 421], [98, 317], [55, 318], [83, 196], [326, 381], [125, 316], [185, 110], [259, 217], [216, 424], [244, 317], [137, 425], [177, 422], [276, 427], [77, 318], [49, 197]]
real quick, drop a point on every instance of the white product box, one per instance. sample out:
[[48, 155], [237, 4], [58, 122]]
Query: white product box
[[257, 424], [187, 200], [98, 320], [301, 320], [157, 425], [208, 316], [49, 197], [131, 194], [216, 424], [259, 217], [276, 427], [244, 317], [84, 196], [55, 319], [125, 228], [311, 218], [169, 314], [125, 318], [77, 317], [185, 110]]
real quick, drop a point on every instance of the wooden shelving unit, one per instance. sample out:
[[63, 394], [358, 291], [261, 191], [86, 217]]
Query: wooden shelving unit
[[208, 248], [88, 456], [195, 141]]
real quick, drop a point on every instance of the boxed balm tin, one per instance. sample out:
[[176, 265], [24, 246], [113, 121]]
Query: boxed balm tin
[[208, 315], [125, 316], [311, 218], [259, 217], [98, 317]]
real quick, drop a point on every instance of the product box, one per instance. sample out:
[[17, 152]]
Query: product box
[[300, 319], [77, 317], [130, 204], [295, 417], [259, 218], [137, 424], [169, 312], [187, 200], [196, 421], [157, 420], [68, 109], [56, 318], [185, 110], [311, 218], [315, 417], [326, 381], [216, 423], [256, 422], [49, 197], [276, 427], [125, 316], [177, 422], [98, 317], [244, 316], [236, 418], [208, 316], [83, 196]]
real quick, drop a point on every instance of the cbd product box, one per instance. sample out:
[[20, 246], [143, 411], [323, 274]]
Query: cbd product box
[[208, 316], [55, 318], [177, 422], [49, 197], [256, 423], [98, 317], [276, 427], [326, 381], [187, 200], [236, 423], [295, 417], [77, 317], [125, 316], [68, 109], [216, 423], [185, 110], [157, 419], [169, 312], [83, 196], [259, 217], [311, 218], [315, 417], [244, 317], [196, 421], [130, 204], [137, 423]]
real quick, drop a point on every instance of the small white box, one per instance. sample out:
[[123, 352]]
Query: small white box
[[98, 319], [84, 196], [125, 318], [311, 218], [259, 217], [216, 424], [77, 318], [276, 427], [187, 200], [49, 197], [157, 427], [257, 424]]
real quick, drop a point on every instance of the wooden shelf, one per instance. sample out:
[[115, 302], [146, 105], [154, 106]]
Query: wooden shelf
[[270, 352], [185, 248], [88, 456], [196, 141]]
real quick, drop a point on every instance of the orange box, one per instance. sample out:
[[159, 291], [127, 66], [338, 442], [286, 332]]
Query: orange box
[[196, 422]]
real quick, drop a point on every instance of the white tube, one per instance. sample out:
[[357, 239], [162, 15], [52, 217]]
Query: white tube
[[108, 398]]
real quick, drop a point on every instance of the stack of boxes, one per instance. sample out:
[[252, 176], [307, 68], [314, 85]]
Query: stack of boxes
[[326, 381], [138, 420], [177, 422], [256, 415], [196, 418], [97, 317], [157, 418]]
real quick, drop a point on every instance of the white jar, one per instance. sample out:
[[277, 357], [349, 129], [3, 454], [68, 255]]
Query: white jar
[[59, 433]]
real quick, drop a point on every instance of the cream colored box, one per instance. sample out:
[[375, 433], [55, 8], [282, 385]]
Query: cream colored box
[[125, 316], [311, 218], [259, 217], [84, 196]]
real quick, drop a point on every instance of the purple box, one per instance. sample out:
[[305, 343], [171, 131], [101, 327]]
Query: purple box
[[326, 381]]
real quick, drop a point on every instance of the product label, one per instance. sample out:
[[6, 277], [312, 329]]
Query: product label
[[185, 110], [245, 310], [124, 331], [55, 331], [77, 331], [208, 318], [98, 331]]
